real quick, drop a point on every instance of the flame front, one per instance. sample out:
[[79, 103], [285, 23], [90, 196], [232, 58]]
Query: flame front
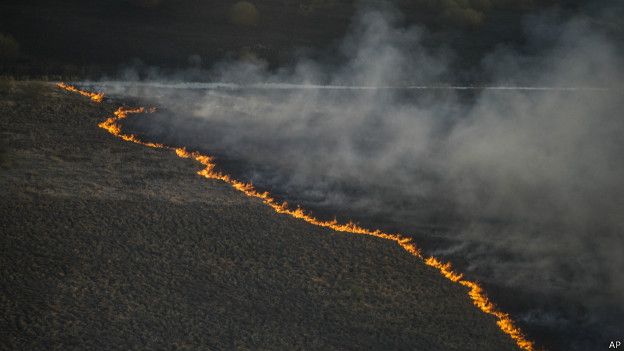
[[96, 97], [475, 292]]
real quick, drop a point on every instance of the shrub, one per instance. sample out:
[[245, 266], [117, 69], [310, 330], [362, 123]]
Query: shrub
[[9, 49], [244, 13]]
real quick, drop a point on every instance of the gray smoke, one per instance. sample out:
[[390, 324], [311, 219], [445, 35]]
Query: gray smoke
[[524, 186]]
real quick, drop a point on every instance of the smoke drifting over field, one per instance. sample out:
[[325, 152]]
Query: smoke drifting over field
[[522, 187]]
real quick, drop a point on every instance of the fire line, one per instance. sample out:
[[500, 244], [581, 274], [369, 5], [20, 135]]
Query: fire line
[[475, 291]]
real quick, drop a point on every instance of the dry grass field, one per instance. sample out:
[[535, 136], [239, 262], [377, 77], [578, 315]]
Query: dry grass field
[[111, 245]]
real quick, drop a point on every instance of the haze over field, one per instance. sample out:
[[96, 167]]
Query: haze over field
[[489, 131], [523, 188]]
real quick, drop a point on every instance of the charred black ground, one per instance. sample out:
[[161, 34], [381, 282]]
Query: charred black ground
[[558, 319], [112, 245]]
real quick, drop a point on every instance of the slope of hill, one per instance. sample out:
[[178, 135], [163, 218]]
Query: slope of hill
[[112, 245]]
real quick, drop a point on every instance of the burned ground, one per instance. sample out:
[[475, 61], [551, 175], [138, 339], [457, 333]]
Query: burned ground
[[113, 245]]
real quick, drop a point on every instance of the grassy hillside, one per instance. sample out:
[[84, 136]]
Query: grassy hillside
[[111, 245]]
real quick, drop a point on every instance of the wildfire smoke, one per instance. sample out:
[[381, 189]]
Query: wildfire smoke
[[475, 291]]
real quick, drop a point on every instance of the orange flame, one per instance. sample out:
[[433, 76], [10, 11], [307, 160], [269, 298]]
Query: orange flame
[[96, 97], [475, 292]]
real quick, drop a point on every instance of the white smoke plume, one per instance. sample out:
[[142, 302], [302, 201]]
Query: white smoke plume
[[520, 181]]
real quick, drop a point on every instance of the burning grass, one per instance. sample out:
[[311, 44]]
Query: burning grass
[[475, 291]]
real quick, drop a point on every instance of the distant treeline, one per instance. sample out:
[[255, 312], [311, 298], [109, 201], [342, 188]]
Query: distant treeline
[[87, 39]]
